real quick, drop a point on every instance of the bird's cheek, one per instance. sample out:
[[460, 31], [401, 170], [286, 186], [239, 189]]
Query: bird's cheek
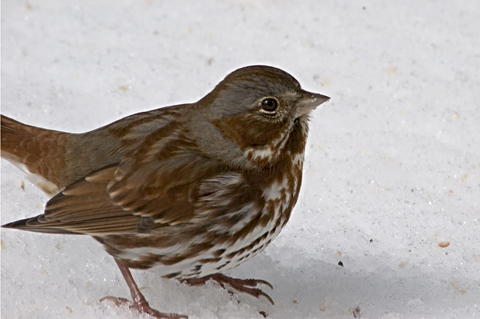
[[248, 131]]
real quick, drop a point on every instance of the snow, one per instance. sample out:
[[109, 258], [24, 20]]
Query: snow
[[392, 169]]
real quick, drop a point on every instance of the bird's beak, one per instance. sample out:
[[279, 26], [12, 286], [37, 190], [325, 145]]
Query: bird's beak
[[309, 101]]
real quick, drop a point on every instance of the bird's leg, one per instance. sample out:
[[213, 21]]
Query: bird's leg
[[138, 300], [242, 285]]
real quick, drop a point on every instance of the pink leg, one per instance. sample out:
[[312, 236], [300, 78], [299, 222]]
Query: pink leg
[[139, 302], [242, 285]]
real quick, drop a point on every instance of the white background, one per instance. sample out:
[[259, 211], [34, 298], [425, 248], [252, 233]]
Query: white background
[[392, 166]]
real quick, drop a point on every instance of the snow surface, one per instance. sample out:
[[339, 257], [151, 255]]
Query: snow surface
[[392, 168]]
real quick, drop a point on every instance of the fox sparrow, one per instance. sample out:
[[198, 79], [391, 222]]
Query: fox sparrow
[[189, 190]]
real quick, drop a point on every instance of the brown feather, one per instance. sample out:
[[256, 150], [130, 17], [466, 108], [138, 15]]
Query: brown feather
[[206, 183]]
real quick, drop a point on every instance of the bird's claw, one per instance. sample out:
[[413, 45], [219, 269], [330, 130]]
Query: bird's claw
[[242, 285], [143, 308]]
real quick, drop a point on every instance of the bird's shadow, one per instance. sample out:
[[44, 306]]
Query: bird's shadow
[[307, 285]]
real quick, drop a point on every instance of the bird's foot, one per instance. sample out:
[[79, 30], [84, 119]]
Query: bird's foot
[[242, 285], [142, 306]]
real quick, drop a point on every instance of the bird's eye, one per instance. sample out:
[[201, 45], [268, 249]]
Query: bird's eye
[[269, 104]]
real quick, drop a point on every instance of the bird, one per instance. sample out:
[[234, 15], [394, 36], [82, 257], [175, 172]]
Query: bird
[[188, 191]]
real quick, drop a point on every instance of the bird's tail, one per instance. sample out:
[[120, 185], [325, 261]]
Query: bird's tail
[[16, 138], [34, 150]]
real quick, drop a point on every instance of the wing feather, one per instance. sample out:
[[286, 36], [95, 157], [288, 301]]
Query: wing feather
[[151, 189]]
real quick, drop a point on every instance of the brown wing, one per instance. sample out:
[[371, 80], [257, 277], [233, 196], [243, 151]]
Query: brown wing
[[122, 200], [83, 207], [162, 181]]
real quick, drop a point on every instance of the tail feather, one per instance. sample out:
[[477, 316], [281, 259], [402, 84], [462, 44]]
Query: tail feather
[[13, 132], [27, 147], [18, 140]]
